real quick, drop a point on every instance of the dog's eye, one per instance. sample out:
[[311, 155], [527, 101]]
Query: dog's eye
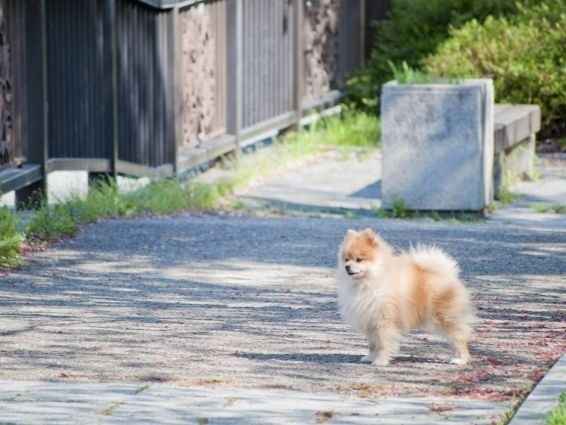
[[358, 260]]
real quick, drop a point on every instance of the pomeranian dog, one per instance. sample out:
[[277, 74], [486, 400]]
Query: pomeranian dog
[[383, 295]]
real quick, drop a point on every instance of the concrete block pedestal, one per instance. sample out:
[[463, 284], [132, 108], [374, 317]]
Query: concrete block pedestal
[[438, 145]]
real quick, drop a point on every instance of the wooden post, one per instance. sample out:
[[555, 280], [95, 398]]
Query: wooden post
[[175, 88], [114, 70], [299, 68], [110, 95], [35, 194], [239, 68]]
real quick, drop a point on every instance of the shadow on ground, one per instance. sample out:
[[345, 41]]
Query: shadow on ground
[[207, 300]]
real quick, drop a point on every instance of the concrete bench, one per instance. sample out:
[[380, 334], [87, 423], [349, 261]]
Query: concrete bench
[[515, 128]]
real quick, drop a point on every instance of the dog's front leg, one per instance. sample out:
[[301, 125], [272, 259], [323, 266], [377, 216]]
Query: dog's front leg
[[388, 337], [370, 358]]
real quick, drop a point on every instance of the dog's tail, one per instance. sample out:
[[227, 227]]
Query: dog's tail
[[434, 260]]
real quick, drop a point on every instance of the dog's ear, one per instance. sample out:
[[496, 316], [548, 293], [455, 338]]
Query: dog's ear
[[350, 234], [370, 236]]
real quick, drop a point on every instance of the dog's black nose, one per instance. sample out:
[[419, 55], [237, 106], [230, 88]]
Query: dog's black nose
[[348, 269]]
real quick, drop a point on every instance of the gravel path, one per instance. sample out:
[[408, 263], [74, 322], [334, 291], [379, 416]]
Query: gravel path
[[244, 302]]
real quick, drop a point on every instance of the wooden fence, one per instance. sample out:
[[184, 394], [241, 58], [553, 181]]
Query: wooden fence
[[154, 87]]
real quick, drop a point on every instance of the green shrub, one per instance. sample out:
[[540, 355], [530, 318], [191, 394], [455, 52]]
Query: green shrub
[[413, 31], [52, 222], [10, 239], [525, 55]]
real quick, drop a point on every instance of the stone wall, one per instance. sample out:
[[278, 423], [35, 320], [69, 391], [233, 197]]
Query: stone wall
[[322, 23], [199, 95], [7, 148]]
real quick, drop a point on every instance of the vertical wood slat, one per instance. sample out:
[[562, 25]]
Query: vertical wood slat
[[238, 74], [349, 53], [158, 94], [267, 93], [243, 51], [299, 68], [15, 19], [175, 88], [144, 86], [79, 80], [43, 148], [36, 52], [112, 94], [221, 69]]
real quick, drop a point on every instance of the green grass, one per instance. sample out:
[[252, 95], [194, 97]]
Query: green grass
[[399, 210], [50, 223], [454, 217], [506, 417], [549, 208], [502, 199], [558, 415], [506, 197], [404, 74], [10, 239], [163, 197], [351, 130]]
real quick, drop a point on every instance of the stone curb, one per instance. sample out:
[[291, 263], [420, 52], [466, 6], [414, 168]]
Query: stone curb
[[39, 403], [544, 397]]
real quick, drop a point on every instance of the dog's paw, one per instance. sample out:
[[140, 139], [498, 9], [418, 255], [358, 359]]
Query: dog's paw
[[368, 359], [459, 361], [381, 361]]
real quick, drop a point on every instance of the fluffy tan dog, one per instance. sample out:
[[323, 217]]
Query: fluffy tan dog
[[383, 294]]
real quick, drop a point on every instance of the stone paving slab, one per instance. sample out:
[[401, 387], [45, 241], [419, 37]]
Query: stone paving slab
[[337, 182], [544, 398], [549, 189], [75, 403]]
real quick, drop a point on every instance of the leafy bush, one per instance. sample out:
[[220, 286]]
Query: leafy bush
[[10, 239], [413, 31], [525, 55]]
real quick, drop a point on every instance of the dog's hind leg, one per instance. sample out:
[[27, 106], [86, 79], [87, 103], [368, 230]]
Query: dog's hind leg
[[459, 335]]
